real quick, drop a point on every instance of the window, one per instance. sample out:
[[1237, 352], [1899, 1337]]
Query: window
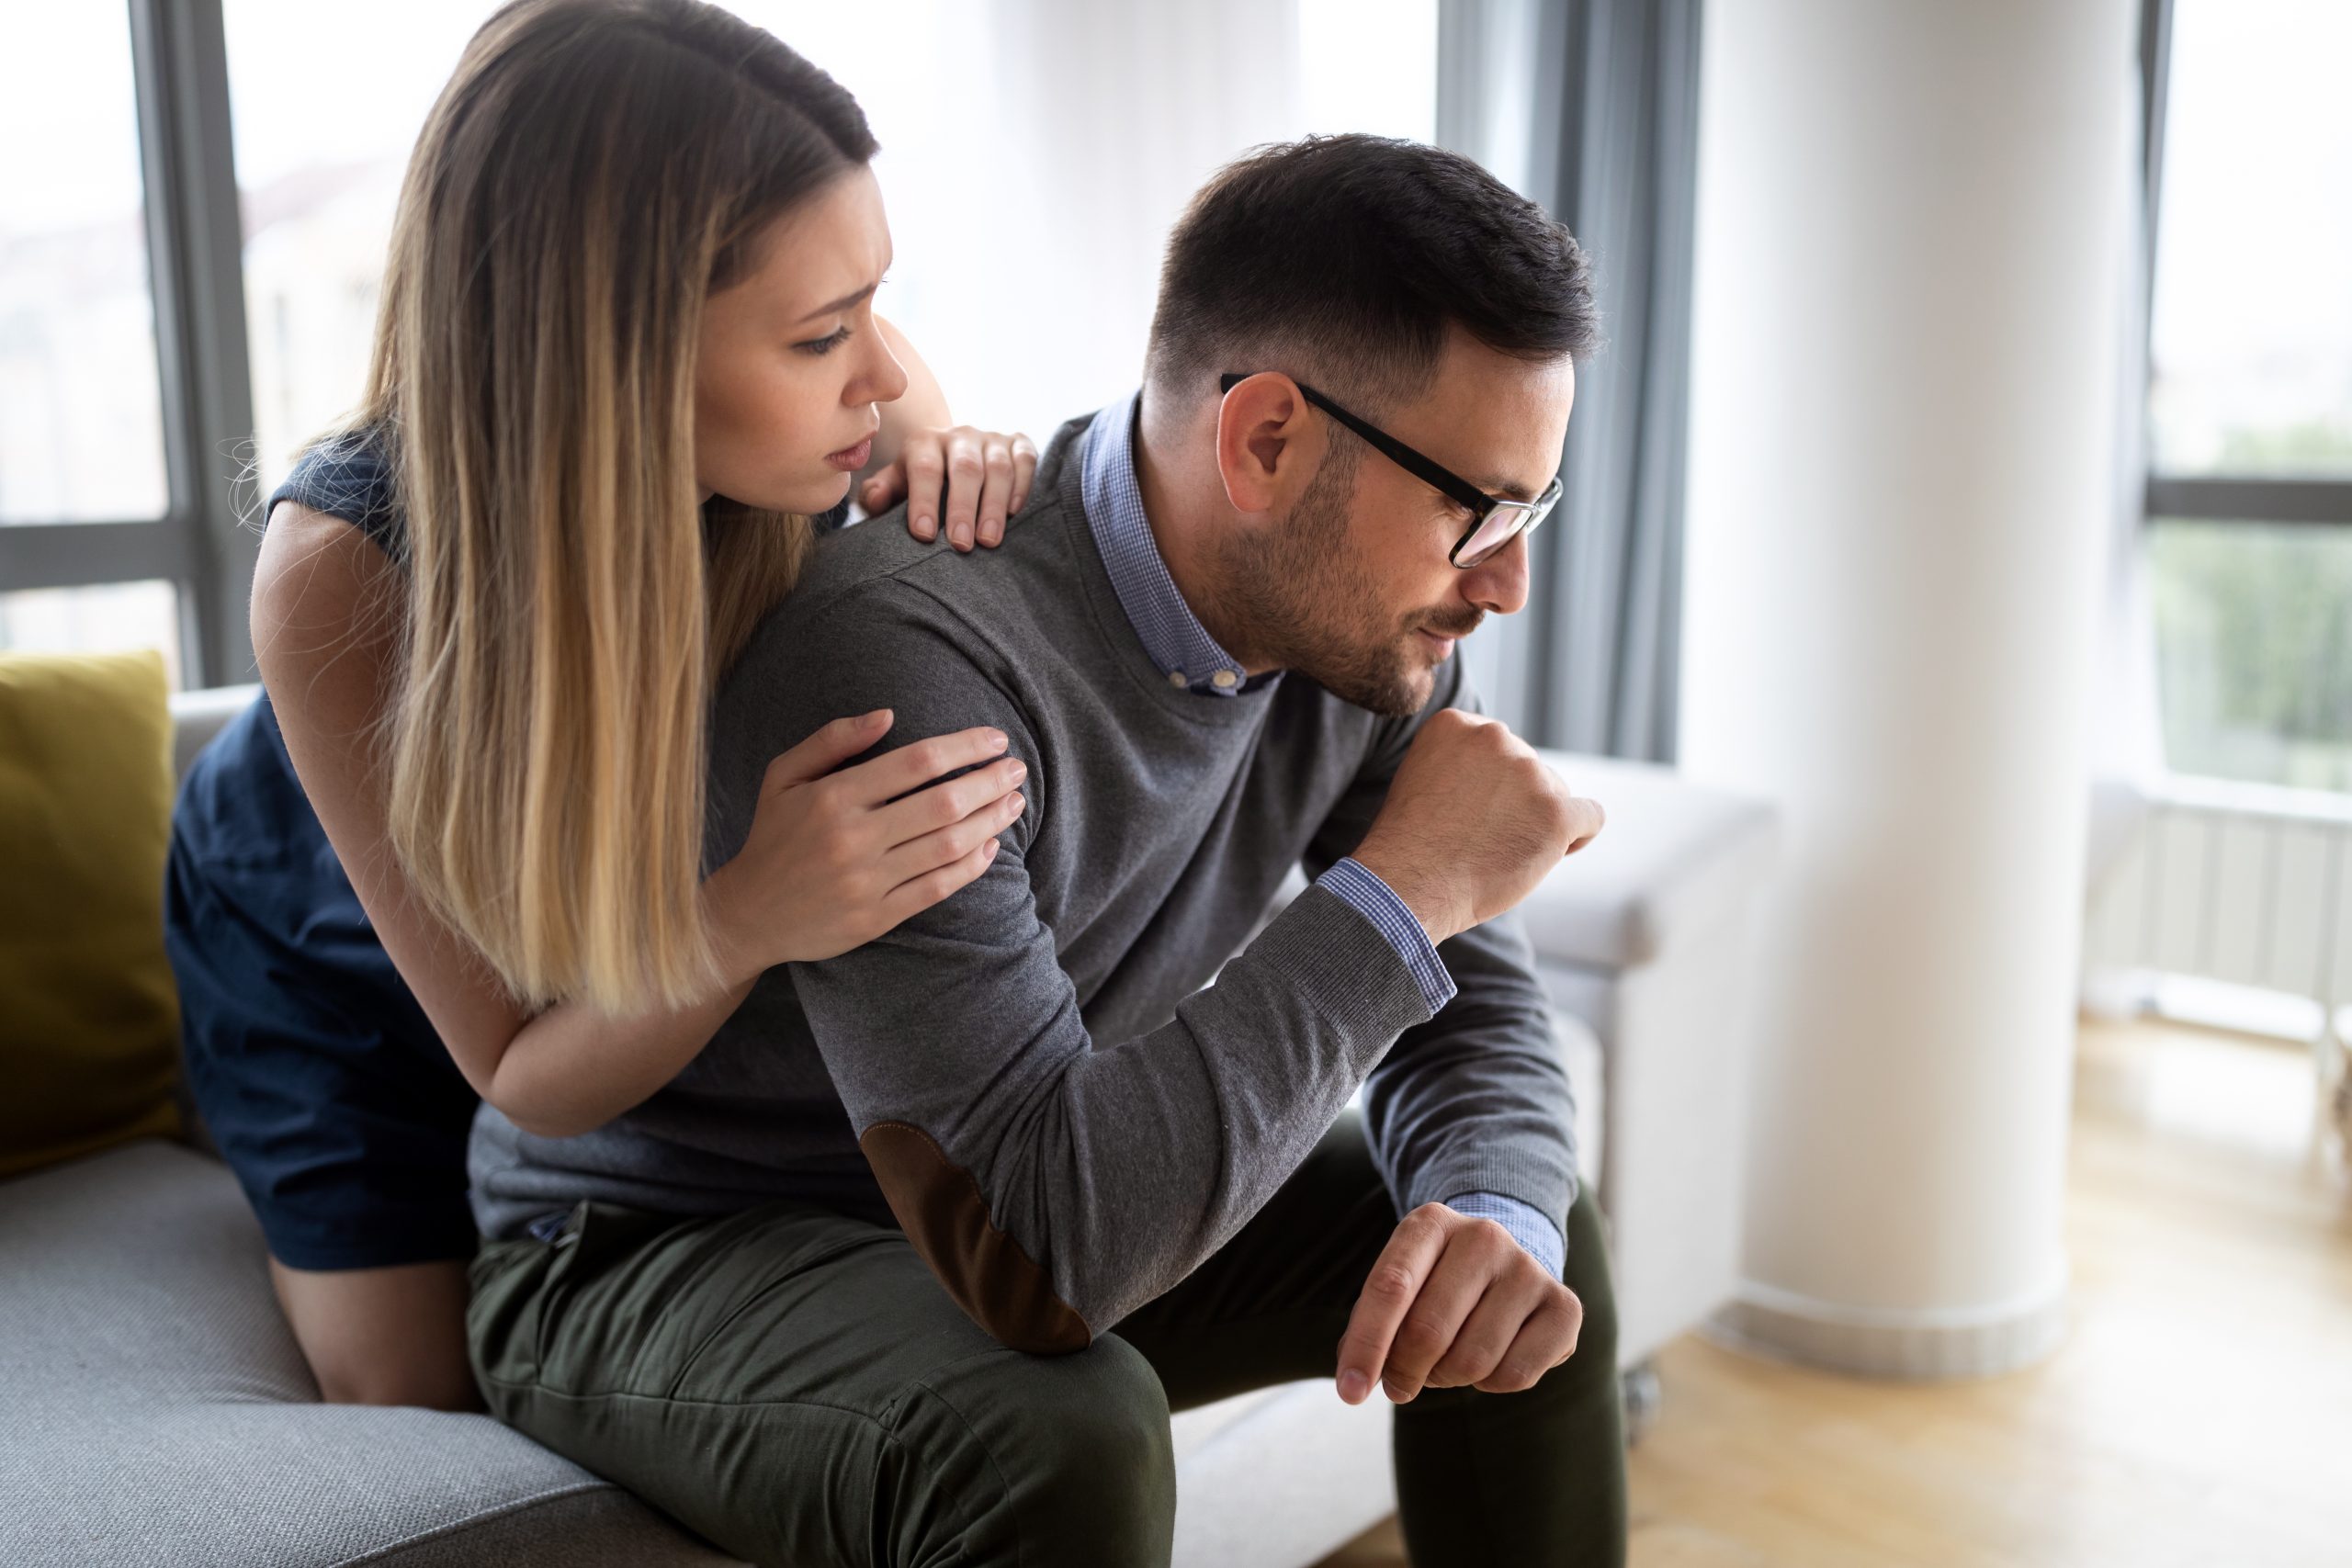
[[2250, 390], [189, 268], [2254, 629], [80, 422], [81, 428], [2252, 331], [318, 174], [103, 618]]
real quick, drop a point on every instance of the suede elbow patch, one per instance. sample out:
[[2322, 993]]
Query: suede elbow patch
[[987, 1272]]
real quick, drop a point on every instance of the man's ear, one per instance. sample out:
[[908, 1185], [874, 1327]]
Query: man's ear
[[1267, 444]]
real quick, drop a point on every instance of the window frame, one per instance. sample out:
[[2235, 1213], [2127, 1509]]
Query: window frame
[[195, 242]]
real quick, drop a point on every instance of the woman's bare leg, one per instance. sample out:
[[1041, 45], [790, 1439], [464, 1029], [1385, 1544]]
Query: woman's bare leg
[[391, 1335]]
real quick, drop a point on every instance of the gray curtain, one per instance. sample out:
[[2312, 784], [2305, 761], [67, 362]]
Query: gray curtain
[[1591, 107]]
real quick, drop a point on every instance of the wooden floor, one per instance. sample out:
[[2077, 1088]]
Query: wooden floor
[[2199, 1415]]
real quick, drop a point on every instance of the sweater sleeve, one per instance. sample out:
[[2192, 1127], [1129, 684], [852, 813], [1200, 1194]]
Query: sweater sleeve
[[1374, 899], [1475, 1099], [1054, 1181]]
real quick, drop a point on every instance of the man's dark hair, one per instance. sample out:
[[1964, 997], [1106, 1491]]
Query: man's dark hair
[[1347, 257]]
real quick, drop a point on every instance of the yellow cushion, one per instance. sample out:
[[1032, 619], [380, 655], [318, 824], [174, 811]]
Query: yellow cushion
[[89, 1017]]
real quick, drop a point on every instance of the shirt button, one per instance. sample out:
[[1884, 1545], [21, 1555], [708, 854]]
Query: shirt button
[[1176, 678], [1223, 680]]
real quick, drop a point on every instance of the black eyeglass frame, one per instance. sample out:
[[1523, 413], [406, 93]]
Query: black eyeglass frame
[[1431, 472]]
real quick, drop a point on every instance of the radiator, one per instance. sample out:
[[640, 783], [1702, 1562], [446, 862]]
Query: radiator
[[2246, 885]]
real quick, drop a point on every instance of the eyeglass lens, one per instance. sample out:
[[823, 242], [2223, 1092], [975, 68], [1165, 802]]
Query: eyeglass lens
[[1505, 522], [1494, 531]]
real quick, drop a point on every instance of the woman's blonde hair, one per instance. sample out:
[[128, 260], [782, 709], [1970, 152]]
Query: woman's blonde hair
[[591, 173]]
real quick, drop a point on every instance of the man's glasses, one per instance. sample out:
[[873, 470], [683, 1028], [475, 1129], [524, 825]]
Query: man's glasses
[[1494, 521]]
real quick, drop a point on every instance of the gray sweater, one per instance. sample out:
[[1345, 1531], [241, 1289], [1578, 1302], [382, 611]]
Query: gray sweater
[[1036, 1077]]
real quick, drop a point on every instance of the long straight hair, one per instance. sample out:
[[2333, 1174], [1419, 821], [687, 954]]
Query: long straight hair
[[591, 174]]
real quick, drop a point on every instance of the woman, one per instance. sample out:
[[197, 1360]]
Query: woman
[[626, 365]]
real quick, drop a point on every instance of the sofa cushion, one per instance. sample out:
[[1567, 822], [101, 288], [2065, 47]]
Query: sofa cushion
[[155, 1408], [89, 1035]]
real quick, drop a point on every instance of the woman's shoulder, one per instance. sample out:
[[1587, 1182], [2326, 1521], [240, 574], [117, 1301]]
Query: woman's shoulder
[[326, 606], [350, 475]]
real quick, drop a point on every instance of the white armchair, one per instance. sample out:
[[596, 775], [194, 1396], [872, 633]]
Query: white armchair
[[1642, 937]]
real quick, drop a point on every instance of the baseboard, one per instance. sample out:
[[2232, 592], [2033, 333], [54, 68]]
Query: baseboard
[[1925, 1345]]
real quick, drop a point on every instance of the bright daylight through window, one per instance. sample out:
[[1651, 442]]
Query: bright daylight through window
[[2251, 381]]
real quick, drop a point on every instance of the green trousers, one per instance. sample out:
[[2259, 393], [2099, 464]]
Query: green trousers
[[793, 1384]]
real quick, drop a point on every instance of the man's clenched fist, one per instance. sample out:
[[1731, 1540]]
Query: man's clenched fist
[[1473, 822]]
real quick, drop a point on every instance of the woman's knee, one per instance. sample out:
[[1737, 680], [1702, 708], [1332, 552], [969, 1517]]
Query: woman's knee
[[382, 1335]]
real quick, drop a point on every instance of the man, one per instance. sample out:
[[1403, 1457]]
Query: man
[[1077, 1185]]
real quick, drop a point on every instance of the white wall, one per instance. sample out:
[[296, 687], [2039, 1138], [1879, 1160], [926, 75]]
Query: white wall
[[1036, 152]]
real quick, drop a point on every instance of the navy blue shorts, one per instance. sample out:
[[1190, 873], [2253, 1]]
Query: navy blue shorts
[[318, 1077]]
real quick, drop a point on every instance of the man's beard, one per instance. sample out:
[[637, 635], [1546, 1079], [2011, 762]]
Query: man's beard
[[1300, 596]]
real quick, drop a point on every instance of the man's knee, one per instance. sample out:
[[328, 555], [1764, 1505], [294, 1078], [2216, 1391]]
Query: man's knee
[[1048, 1449], [1102, 1416], [1094, 1415]]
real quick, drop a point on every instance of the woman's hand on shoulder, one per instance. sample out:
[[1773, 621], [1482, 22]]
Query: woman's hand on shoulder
[[836, 858], [974, 479]]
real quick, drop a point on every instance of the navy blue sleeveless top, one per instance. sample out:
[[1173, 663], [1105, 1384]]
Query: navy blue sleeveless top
[[311, 1064]]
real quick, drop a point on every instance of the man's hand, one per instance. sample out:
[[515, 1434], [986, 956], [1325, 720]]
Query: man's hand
[[1473, 822], [1454, 1299]]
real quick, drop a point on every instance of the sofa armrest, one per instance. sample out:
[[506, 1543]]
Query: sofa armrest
[[1671, 857], [198, 716]]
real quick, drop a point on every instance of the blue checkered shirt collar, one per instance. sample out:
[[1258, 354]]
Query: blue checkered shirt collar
[[1173, 637]]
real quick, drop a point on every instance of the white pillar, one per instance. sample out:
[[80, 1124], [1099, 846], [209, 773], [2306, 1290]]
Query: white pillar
[[1909, 245]]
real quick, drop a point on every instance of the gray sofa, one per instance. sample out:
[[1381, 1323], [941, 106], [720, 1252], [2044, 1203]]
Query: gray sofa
[[154, 1407]]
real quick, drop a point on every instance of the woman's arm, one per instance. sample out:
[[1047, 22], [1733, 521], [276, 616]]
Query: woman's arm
[[832, 861], [832, 866]]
